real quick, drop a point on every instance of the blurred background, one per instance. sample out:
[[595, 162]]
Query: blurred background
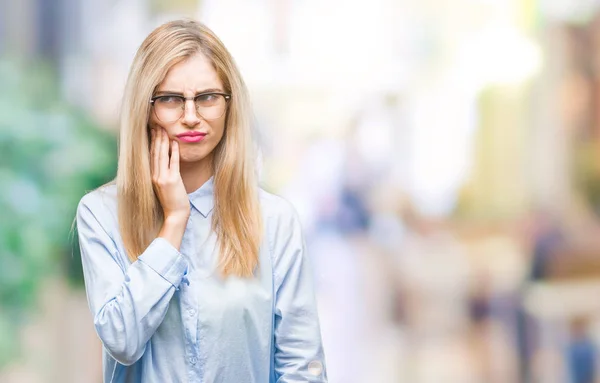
[[444, 157]]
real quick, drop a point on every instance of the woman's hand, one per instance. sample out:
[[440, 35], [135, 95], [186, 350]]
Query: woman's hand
[[166, 179]]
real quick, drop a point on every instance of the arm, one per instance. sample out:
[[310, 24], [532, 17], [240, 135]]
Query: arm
[[127, 305], [299, 355]]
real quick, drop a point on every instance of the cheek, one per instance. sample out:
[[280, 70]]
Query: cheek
[[218, 127], [152, 123], [155, 124]]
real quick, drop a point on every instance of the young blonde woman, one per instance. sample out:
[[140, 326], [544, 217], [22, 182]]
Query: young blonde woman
[[192, 272]]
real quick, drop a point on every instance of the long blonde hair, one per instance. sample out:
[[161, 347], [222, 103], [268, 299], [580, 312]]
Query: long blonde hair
[[236, 218]]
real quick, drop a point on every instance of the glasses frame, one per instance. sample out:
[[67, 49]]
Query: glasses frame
[[226, 96]]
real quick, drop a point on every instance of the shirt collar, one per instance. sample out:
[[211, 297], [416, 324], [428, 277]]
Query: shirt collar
[[202, 198]]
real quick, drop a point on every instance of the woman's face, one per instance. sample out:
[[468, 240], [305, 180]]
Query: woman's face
[[189, 78]]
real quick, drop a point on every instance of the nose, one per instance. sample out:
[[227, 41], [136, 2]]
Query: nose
[[190, 114]]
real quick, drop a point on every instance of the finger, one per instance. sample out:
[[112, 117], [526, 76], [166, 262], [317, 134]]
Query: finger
[[175, 156], [153, 158], [163, 161], [158, 154]]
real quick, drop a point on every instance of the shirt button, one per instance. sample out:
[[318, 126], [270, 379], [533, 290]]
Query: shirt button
[[191, 312], [315, 368], [193, 360]]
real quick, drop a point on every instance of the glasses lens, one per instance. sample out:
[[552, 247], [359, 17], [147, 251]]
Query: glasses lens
[[168, 108], [210, 106]]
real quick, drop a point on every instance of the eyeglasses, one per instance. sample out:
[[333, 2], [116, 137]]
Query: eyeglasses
[[171, 107]]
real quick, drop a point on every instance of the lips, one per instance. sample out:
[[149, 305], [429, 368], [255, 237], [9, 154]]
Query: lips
[[191, 136]]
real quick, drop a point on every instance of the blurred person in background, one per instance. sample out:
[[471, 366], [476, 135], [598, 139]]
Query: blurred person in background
[[192, 272], [581, 352]]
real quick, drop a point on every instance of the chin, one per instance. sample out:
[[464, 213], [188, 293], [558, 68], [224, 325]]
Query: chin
[[193, 157]]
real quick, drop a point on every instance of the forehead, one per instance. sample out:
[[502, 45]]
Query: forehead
[[191, 75]]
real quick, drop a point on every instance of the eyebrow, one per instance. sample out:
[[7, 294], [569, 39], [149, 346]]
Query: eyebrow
[[174, 93]]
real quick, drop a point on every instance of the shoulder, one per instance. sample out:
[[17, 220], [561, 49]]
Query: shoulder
[[276, 207], [282, 223], [100, 202]]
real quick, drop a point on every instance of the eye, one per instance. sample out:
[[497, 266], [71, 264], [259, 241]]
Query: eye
[[168, 100], [207, 99]]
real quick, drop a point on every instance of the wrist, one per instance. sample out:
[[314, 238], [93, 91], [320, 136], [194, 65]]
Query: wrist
[[173, 229], [177, 218]]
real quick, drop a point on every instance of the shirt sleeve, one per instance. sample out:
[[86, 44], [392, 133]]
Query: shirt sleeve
[[299, 355], [128, 301]]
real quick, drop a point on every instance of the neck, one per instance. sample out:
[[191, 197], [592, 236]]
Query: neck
[[195, 174]]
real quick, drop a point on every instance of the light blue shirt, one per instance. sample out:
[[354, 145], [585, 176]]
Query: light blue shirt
[[169, 317]]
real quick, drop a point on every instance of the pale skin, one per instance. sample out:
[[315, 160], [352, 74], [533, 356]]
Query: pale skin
[[189, 165]]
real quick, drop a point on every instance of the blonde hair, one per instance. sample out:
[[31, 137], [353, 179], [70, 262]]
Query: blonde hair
[[236, 218]]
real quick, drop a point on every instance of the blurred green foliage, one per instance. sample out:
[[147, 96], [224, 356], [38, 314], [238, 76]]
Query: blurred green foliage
[[50, 155]]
